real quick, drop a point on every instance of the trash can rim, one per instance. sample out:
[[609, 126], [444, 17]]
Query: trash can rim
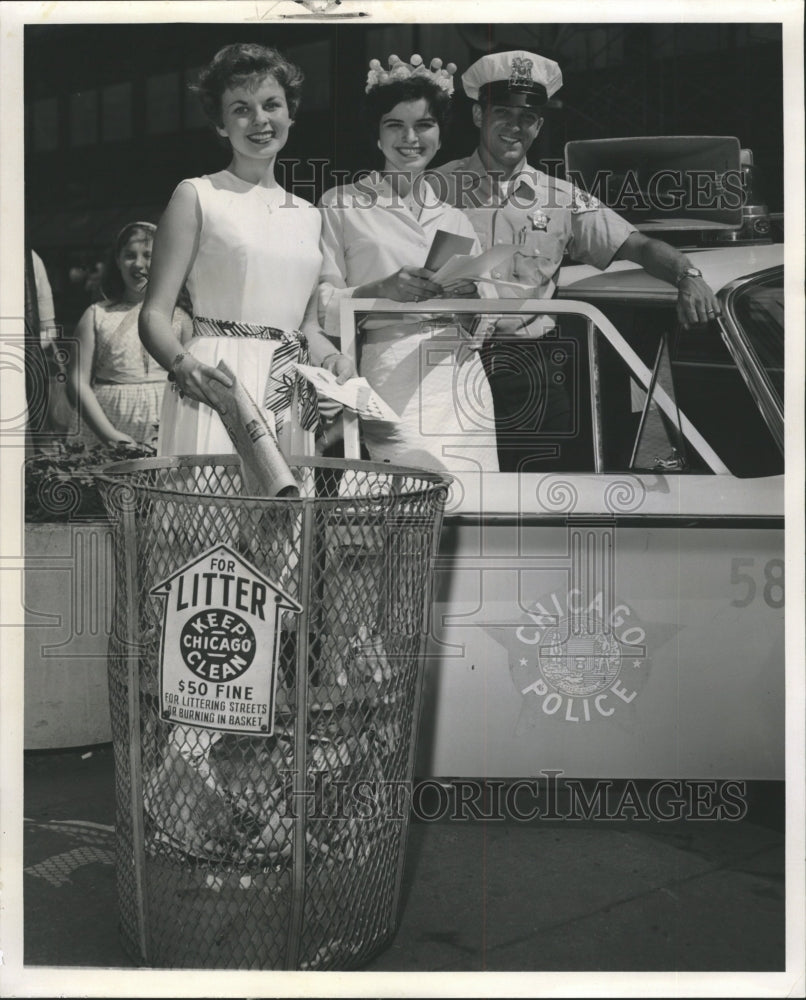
[[116, 472]]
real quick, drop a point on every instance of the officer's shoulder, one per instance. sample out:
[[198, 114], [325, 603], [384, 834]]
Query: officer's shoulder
[[452, 167], [562, 190], [566, 194], [452, 181]]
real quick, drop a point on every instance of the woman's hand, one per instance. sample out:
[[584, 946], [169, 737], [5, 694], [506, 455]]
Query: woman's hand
[[120, 438], [190, 376], [409, 284], [341, 366], [461, 289]]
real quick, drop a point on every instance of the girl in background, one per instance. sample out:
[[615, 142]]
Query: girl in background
[[114, 383]]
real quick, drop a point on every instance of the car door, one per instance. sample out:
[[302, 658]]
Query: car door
[[614, 620]]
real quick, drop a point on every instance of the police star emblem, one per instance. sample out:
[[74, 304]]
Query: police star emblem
[[521, 73]]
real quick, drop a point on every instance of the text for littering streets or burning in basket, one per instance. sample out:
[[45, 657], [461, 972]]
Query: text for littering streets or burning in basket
[[220, 644]]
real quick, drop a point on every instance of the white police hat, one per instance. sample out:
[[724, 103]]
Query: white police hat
[[519, 79]]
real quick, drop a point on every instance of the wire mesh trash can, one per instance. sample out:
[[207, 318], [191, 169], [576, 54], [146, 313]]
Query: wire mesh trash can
[[265, 673]]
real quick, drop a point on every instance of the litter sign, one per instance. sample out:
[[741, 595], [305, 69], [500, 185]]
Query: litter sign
[[220, 644]]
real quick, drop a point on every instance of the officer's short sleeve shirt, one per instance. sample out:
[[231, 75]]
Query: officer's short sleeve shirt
[[542, 215]]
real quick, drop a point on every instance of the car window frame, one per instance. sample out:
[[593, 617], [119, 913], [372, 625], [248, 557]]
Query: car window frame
[[353, 310], [744, 356]]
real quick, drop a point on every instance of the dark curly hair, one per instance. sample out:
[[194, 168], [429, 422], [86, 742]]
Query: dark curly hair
[[234, 64], [112, 282], [382, 99]]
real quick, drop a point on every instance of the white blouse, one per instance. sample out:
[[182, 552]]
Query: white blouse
[[368, 234]]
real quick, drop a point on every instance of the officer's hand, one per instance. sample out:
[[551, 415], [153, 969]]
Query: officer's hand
[[696, 302]]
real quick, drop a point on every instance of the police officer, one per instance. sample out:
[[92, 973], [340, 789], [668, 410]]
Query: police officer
[[508, 201]]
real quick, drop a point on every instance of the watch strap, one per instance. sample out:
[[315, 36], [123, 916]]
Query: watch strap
[[689, 272]]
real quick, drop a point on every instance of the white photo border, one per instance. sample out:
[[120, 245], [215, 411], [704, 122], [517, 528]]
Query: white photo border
[[17, 980]]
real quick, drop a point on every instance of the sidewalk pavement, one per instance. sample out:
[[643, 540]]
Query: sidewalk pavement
[[622, 895]]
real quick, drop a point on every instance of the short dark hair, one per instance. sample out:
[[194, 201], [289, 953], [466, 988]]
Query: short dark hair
[[111, 281], [234, 64], [383, 98]]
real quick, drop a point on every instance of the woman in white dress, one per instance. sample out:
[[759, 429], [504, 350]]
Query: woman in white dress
[[376, 236], [249, 253]]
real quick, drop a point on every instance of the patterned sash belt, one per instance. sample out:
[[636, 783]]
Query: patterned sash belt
[[292, 347]]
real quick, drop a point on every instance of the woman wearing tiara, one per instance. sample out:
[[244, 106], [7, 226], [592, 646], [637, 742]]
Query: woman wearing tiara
[[376, 236], [249, 252]]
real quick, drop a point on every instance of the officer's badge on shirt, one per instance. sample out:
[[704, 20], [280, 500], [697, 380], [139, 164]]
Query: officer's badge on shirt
[[583, 202], [539, 220]]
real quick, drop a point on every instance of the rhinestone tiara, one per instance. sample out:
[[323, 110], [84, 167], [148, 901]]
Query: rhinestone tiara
[[399, 70]]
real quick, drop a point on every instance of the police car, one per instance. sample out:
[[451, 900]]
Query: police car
[[624, 617]]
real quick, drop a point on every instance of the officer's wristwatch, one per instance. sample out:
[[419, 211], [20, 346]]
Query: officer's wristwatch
[[688, 272]]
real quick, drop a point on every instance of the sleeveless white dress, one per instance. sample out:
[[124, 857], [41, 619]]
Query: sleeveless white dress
[[258, 262], [127, 383]]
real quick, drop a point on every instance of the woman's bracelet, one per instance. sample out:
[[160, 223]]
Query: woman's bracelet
[[176, 361]]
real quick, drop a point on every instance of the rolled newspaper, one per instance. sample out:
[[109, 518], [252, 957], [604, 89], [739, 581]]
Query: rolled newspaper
[[265, 470]]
